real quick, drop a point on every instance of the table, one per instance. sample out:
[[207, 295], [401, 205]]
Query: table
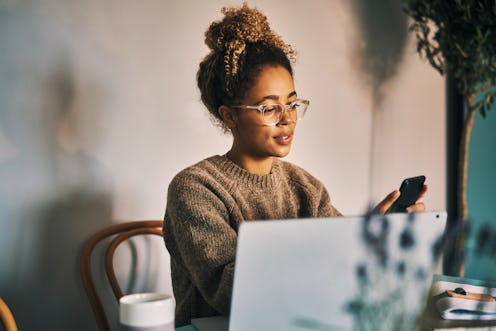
[[435, 324]]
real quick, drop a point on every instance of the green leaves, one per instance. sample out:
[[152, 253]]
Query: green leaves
[[459, 37]]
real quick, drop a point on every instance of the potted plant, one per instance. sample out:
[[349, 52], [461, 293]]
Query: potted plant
[[458, 37]]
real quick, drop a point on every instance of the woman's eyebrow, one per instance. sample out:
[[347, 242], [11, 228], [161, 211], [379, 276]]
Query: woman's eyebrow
[[275, 97]]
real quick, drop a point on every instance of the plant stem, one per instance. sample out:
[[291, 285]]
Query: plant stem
[[463, 174]]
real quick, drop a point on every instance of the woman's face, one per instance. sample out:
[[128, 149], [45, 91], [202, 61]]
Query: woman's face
[[252, 138]]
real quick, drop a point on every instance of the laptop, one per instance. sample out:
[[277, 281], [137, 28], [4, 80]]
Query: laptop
[[331, 273]]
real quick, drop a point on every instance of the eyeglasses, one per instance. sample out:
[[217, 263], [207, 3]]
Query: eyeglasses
[[272, 113]]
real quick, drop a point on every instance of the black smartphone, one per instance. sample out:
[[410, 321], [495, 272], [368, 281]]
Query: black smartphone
[[410, 190]]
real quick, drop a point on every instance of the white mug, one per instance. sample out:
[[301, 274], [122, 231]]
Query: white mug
[[146, 312]]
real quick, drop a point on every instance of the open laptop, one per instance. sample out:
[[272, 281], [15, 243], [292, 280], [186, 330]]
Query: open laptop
[[331, 273]]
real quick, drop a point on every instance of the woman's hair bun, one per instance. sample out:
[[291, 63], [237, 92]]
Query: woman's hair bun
[[242, 25]]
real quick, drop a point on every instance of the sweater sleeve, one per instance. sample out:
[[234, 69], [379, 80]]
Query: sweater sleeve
[[199, 236], [326, 209]]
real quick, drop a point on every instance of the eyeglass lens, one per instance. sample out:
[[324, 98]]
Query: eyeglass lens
[[272, 114]]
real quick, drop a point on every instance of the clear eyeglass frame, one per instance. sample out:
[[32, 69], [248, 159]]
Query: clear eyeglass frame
[[272, 113]]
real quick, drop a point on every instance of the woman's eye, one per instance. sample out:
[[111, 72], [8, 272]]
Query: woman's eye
[[294, 105], [270, 109]]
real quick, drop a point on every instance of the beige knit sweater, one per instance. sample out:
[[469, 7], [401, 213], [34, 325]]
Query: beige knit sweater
[[206, 204]]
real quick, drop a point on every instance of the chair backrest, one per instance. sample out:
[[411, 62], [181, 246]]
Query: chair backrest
[[118, 234], [6, 317]]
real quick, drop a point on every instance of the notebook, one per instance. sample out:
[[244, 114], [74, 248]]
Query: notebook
[[464, 298], [332, 273]]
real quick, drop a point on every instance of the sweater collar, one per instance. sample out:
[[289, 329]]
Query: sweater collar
[[232, 170]]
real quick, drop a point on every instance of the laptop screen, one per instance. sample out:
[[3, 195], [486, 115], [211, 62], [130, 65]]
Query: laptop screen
[[334, 273]]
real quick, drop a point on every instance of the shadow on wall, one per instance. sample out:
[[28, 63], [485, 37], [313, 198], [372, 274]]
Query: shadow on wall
[[384, 31], [52, 196]]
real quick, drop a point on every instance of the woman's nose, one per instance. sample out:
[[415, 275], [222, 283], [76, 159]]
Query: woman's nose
[[287, 116]]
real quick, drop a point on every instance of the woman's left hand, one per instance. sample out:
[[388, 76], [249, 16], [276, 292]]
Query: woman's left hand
[[388, 201]]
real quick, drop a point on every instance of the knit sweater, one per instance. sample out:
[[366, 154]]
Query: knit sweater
[[206, 203]]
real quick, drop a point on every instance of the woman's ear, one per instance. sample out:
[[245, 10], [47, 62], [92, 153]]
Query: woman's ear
[[228, 116]]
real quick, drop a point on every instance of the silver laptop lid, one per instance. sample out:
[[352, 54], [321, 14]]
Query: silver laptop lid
[[332, 273]]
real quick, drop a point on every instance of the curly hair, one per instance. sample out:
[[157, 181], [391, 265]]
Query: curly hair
[[240, 44]]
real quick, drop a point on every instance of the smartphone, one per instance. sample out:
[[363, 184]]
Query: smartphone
[[410, 190]]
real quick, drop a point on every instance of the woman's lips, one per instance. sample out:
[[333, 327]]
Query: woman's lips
[[284, 139]]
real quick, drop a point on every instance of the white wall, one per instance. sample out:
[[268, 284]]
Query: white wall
[[99, 110]]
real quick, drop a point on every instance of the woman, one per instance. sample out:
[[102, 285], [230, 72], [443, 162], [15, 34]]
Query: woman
[[246, 83]]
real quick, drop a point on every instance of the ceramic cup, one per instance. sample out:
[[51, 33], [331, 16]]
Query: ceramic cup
[[146, 312]]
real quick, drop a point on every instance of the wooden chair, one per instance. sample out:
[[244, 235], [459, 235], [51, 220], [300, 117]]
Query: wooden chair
[[119, 233], [6, 317]]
